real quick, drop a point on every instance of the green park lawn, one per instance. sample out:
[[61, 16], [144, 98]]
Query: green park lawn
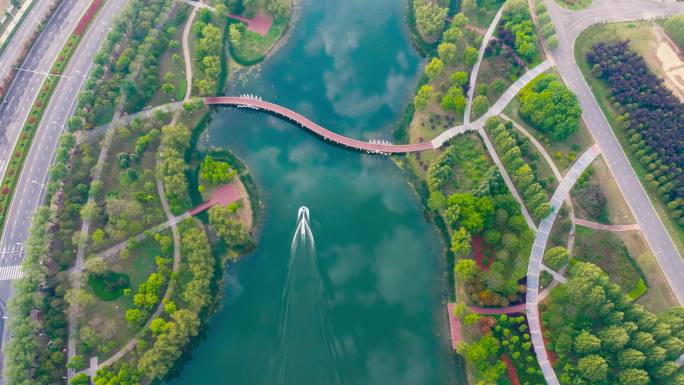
[[641, 39]]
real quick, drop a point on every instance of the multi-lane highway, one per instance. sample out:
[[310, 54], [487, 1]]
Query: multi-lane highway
[[19, 98], [28, 26], [30, 192]]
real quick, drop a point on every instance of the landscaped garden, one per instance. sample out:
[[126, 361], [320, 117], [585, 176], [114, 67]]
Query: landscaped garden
[[612, 96]]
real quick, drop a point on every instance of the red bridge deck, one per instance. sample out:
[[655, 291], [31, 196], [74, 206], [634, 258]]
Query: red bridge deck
[[318, 130]]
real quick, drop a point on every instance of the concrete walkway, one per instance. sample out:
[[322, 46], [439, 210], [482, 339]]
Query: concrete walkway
[[497, 108], [186, 51], [556, 173], [537, 254], [75, 276], [498, 310], [454, 326], [601, 226], [476, 69], [222, 196], [507, 179]]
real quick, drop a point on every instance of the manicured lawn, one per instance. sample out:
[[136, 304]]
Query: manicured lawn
[[109, 286], [641, 38], [574, 4]]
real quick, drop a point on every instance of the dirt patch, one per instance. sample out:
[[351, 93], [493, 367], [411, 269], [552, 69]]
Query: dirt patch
[[670, 59]]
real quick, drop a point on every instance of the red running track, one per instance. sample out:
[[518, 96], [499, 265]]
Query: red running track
[[304, 122]]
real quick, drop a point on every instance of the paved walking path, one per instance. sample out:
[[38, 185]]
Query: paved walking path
[[537, 254], [454, 326], [186, 51], [498, 310], [507, 179], [75, 276], [476, 68], [169, 290], [222, 196], [601, 226], [498, 107], [557, 276]]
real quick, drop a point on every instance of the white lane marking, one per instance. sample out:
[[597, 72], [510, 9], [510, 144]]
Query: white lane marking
[[9, 273]]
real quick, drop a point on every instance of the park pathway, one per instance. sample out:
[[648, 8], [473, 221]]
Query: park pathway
[[537, 254], [186, 50], [476, 68], [613, 228], [223, 195]]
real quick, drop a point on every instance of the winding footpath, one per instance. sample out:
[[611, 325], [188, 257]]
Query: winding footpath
[[535, 266], [476, 69]]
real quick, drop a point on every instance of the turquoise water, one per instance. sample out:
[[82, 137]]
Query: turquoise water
[[365, 306]]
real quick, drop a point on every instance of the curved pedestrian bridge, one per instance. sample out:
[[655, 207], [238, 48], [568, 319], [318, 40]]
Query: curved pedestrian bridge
[[369, 147]]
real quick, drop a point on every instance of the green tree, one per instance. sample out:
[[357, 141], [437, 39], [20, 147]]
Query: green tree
[[77, 363], [216, 172], [460, 242], [587, 343], [613, 338], [459, 79], [452, 35], [429, 17], [556, 257], [466, 269], [447, 52], [633, 376], [423, 97], [434, 68], [631, 358], [480, 105], [232, 231], [551, 107], [593, 368], [168, 88], [470, 56], [80, 379], [454, 100]]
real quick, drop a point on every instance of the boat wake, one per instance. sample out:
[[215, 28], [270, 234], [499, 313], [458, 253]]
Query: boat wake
[[307, 347]]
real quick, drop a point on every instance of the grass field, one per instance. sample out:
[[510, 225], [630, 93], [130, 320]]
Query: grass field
[[642, 41], [108, 316], [614, 211], [607, 250]]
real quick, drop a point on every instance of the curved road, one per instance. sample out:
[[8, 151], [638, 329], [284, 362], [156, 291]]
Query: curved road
[[568, 26]]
